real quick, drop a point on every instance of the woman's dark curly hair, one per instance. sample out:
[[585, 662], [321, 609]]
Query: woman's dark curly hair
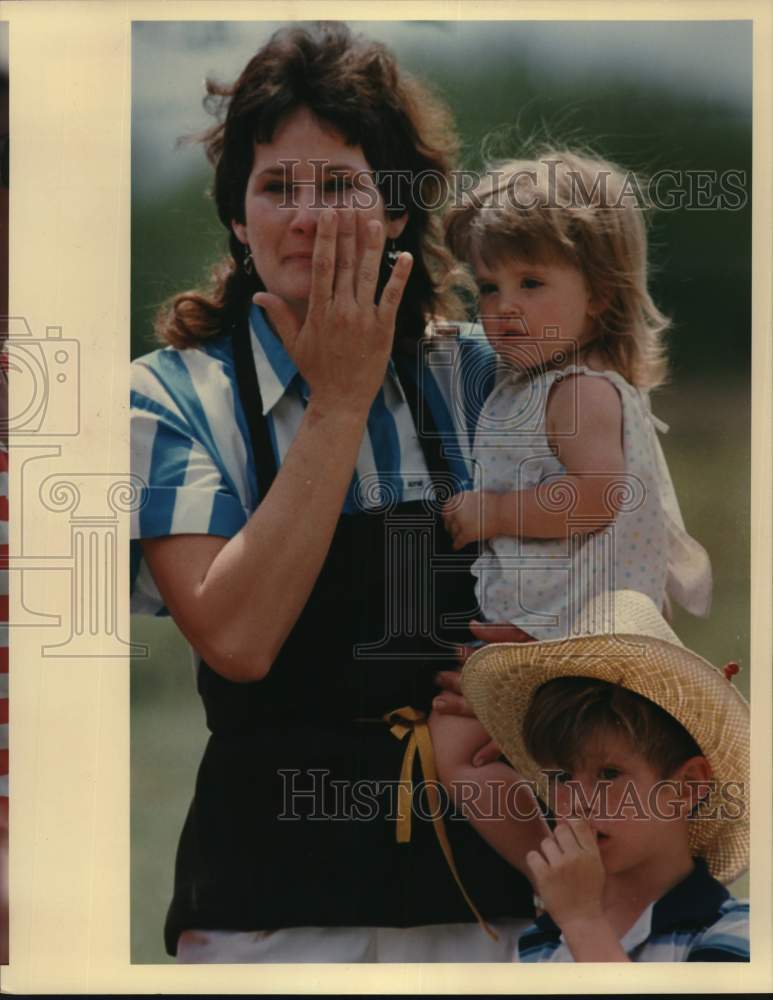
[[355, 86]]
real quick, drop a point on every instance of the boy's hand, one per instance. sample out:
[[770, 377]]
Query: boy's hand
[[451, 701], [471, 516], [568, 874]]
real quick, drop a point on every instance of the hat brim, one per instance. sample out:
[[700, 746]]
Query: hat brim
[[500, 679]]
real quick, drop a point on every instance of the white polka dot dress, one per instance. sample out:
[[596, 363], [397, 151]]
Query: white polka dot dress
[[542, 585]]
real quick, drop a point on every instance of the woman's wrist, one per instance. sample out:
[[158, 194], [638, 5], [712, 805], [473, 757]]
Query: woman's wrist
[[338, 411]]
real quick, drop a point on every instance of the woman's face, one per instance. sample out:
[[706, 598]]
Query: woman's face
[[305, 168]]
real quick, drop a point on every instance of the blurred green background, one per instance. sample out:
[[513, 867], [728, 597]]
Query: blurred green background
[[649, 95]]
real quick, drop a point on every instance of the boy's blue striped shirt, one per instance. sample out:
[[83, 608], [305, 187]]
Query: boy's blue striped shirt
[[191, 446], [696, 921]]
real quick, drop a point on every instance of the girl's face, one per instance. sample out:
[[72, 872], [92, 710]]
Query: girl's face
[[306, 167], [522, 300]]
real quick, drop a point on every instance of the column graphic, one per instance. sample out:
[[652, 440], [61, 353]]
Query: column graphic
[[44, 375], [93, 502]]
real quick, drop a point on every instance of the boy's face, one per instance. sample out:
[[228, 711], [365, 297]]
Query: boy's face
[[638, 816], [523, 300]]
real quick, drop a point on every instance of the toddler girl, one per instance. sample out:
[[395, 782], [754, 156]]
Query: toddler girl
[[572, 493]]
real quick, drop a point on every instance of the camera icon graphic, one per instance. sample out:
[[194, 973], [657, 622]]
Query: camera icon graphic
[[44, 373]]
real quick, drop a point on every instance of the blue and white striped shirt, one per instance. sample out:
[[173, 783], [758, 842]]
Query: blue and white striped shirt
[[191, 446], [696, 921]]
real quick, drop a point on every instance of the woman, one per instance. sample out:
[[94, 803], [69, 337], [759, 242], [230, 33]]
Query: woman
[[297, 451]]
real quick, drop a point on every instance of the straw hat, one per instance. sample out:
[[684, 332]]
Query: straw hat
[[627, 642]]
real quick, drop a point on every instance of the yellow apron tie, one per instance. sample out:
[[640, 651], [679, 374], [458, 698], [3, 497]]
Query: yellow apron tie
[[411, 721]]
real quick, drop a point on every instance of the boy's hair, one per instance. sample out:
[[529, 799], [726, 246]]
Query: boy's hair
[[566, 713], [582, 210]]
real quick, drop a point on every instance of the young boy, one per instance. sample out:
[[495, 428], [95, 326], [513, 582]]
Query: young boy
[[641, 750]]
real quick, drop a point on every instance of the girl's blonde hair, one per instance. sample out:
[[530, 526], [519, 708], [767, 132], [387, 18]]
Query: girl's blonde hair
[[589, 213]]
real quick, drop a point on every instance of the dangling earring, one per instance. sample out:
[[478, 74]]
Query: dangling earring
[[392, 254], [247, 262]]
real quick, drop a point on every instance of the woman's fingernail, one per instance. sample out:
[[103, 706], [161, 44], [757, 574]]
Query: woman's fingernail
[[439, 703], [477, 761]]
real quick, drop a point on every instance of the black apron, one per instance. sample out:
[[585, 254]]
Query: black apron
[[293, 818]]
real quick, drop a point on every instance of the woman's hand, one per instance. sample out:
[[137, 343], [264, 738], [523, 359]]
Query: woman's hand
[[343, 346]]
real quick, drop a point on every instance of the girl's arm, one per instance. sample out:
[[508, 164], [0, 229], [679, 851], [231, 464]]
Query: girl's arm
[[584, 424], [237, 599]]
